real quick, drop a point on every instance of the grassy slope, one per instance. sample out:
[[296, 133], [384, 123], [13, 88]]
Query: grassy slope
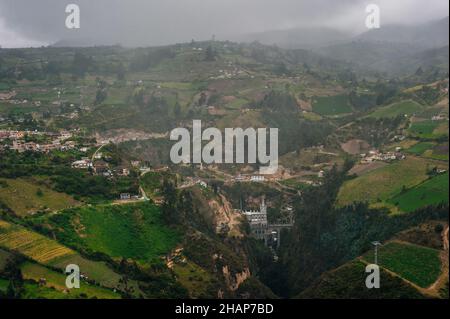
[[57, 281], [332, 105], [419, 148], [132, 231], [428, 129], [348, 281], [400, 108], [22, 197], [48, 252], [432, 191], [31, 244], [385, 182], [417, 264], [423, 127], [193, 278]]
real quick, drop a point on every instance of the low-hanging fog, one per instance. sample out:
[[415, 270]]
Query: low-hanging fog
[[26, 23]]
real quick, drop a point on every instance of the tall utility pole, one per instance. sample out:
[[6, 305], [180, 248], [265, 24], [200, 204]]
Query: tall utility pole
[[376, 244]]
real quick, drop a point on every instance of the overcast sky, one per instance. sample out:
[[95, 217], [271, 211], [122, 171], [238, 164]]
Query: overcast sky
[[26, 23]]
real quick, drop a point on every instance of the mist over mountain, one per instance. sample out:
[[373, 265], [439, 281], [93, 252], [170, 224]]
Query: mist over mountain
[[396, 49], [299, 38], [137, 23], [430, 35]]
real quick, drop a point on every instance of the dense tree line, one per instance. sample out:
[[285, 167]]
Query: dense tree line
[[144, 61]]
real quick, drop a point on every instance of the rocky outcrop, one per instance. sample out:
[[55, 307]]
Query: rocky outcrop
[[233, 281], [227, 220]]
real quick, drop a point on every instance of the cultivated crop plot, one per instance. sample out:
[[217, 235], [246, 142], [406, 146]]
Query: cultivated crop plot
[[224, 158]]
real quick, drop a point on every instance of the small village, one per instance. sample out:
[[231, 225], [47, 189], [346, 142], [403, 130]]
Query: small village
[[376, 155], [37, 141]]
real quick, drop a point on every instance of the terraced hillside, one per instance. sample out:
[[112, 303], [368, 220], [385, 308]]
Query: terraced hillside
[[408, 271], [416, 264], [24, 197], [32, 245], [57, 281], [49, 252], [384, 185], [133, 231]]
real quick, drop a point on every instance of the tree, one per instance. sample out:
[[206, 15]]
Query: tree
[[202, 99], [102, 92], [419, 71], [127, 291], [169, 207], [100, 96], [138, 96], [39, 193], [81, 64], [11, 292], [210, 54], [53, 68], [121, 72], [177, 109], [13, 272]]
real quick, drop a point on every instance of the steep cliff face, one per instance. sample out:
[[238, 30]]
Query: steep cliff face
[[233, 281], [226, 219], [213, 261]]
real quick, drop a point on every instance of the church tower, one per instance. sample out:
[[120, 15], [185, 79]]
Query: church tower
[[263, 207]]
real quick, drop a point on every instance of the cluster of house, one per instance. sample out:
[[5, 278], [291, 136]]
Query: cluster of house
[[250, 178], [398, 138], [228, 74], [128, 197], [439, 117], [58, 141], [83, 163], [99, 166], [373, 156], [9, 97]]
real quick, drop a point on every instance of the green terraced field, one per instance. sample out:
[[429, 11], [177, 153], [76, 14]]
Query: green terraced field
[[420, 148], [57, 281], [430, 192], [439, 152], [332, 105], [424, 129], [401, 108], [24, 196], [420, 265], [49, 252], [131, 231], [383, 183], [348, 282]]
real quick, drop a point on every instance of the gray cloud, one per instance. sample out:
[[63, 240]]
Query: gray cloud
[[156, 22]]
